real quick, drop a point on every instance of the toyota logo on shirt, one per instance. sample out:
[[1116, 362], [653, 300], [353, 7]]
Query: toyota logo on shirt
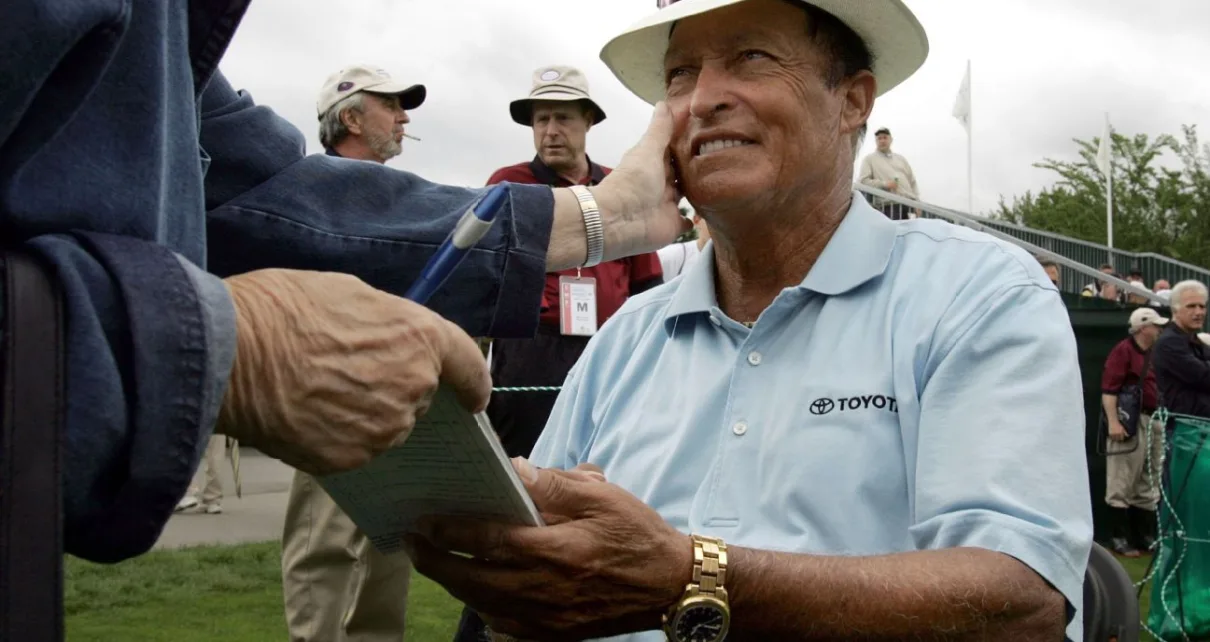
[[825, 405]]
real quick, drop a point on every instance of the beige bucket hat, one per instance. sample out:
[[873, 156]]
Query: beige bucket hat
[[556, 82], [890, 30], [351, 80]]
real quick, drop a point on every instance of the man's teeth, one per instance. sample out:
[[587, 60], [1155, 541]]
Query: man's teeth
[[717, 145]]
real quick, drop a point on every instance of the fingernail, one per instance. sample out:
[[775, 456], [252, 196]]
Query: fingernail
[[595, 475], [525, 469]]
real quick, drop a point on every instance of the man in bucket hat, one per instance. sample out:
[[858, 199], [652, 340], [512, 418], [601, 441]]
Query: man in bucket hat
[[801, 440], [560, 111]]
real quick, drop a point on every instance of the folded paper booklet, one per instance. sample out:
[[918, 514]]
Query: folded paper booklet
[[452, 464]]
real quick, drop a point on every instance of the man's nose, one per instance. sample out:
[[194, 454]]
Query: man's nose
[[403, 117], [711, 92]]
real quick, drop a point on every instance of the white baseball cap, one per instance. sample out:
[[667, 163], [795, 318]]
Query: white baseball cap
[[375, 80], [888, 28], [1145, 316]]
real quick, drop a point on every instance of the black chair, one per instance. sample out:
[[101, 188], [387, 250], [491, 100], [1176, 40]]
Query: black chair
[[1111, 607]]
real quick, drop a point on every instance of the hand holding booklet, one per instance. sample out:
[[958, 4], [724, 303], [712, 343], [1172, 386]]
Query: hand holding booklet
[[451, 465]]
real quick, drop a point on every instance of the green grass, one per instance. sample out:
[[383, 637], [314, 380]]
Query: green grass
[[233, 594], [210, 593]]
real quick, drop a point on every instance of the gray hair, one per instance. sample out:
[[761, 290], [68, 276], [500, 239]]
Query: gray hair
[[1177, 297], [332, 129]]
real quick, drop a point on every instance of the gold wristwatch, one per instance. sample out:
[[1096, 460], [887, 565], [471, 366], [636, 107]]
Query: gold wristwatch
[[702, 614]]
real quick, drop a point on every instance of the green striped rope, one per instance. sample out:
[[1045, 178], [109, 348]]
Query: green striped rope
[[529, 389]]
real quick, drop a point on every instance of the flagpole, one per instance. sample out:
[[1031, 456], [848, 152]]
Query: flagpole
[[970, 135], [1109, 182]]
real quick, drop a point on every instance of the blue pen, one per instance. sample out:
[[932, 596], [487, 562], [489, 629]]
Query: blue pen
[[470, 228]]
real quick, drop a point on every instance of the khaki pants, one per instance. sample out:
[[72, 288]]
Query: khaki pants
[[1130, 479], [206, 486], [337, 586]]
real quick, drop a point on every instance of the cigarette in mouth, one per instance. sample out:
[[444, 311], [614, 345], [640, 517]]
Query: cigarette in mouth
[[410, 136]]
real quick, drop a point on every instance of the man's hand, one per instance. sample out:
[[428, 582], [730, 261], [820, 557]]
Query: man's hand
[[1117, 432], [330, 371], [892, 186], [605, 564], [639, 199]]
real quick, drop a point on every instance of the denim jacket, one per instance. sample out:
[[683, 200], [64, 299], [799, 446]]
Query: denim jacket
[[130, 164]]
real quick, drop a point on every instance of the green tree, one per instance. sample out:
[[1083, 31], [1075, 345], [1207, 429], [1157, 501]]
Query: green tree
[[1156, 208]]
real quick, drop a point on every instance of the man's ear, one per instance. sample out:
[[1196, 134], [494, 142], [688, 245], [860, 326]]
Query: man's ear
[[859, 93], [351, 120]]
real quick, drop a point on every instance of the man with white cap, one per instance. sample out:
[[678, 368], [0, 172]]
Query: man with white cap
[[335, 584], [807, 435], [1134, 447], [363, 111]]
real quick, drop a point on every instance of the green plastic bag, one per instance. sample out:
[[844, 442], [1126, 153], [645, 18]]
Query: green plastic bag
[[1180, 591]]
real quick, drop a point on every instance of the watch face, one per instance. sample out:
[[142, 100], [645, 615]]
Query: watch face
[[700, 623]]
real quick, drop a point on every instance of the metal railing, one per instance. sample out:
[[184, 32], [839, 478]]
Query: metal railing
[[1078, 261]]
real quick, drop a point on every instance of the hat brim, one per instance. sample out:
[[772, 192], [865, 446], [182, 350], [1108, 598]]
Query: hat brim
[[410, 96], [522, 110], [889, 29]]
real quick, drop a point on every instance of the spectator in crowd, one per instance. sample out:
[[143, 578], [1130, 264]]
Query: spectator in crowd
[[1135, 276], [206, 490], [803, 430], [561, 112], [363, 112], [1162, 289], [1094, 289], [678, 256], [139, 219], [1133, 298], [1182, 361], [891, 172], [1052, 270], [1134, 449], [336, 585]]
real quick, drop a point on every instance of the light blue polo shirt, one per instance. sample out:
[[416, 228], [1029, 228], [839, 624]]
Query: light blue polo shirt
[[918, 390]]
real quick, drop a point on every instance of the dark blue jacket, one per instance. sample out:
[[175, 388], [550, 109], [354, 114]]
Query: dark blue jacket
[[129, 163]]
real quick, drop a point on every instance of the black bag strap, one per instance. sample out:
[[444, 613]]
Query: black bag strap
[[31, 429], [1143, 374]]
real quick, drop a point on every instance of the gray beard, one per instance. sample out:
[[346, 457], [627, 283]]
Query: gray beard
[[384, 145]]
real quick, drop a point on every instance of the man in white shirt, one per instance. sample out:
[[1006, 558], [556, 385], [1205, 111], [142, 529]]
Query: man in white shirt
[[889, 171]]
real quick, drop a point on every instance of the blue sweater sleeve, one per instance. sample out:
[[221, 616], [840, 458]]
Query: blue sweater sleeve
[[270, 205], [99, 175], [150, 342]]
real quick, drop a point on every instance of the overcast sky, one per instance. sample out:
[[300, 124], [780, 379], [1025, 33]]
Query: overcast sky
[[1044, 71]]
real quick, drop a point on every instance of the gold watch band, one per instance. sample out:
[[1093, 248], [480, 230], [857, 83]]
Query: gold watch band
[[709, 564]]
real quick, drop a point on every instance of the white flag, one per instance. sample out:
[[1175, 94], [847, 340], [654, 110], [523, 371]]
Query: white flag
[[1105, 152], [962, 104]]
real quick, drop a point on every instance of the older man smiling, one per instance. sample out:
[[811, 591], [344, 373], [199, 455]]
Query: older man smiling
[[833, 426]]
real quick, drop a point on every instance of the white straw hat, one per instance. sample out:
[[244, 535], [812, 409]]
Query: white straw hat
[[888, 28]]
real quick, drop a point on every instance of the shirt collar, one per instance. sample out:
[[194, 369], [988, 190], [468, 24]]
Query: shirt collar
[[858, 251], [547, 176], [332, 152]]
